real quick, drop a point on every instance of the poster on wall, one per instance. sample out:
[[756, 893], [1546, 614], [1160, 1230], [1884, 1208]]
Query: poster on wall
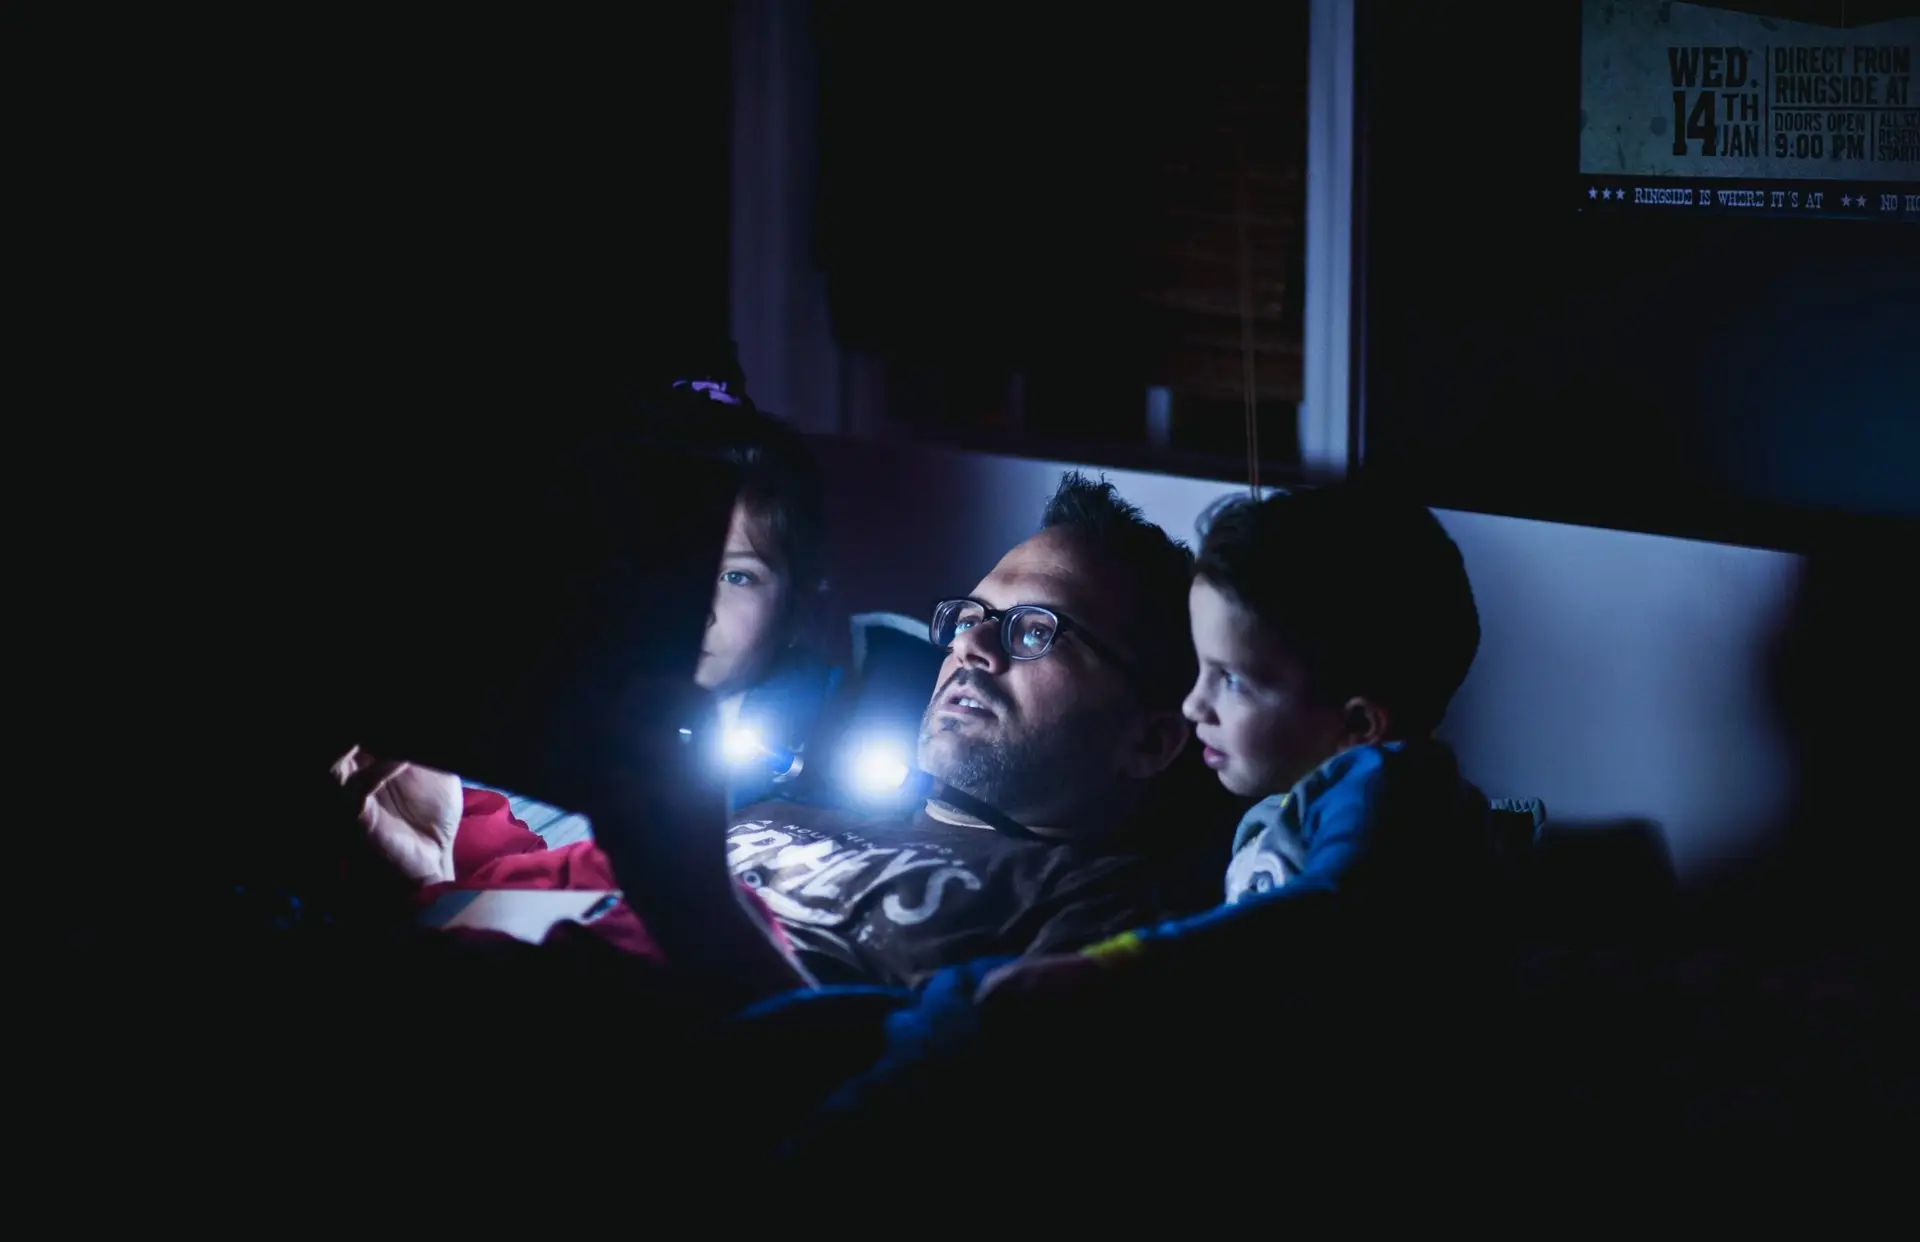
[[1805, 109]]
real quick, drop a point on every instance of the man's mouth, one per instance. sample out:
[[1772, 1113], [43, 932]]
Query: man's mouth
[[964, 705], [960, 703]]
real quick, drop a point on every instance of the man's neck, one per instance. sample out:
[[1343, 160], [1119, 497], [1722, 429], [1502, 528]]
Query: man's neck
[[945, 814]]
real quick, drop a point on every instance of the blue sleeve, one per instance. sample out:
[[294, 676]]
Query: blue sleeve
[[1344, 819]]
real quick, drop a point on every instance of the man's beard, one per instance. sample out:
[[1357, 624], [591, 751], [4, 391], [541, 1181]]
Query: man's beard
[[1064, 762]]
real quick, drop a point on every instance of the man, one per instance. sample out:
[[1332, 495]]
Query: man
[[1058, 706]]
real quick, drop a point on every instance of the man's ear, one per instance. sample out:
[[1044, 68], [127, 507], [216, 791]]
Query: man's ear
[[1161, 739], [1364, 723]]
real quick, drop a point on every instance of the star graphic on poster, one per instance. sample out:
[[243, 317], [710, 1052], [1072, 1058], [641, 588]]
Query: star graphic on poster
[[1591, 192], [1846, 200]]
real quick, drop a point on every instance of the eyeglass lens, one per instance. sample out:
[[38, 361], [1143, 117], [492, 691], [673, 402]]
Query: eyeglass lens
[[1027, 631]]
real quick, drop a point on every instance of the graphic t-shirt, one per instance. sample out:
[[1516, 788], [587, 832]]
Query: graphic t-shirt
[[889, 900]]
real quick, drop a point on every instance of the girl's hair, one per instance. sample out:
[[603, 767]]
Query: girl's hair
[[780, 486], [779, 479]]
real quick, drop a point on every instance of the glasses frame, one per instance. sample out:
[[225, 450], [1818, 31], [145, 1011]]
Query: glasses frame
[[1061, 624]]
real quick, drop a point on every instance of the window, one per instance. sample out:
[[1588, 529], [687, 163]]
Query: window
[[1075, 239]]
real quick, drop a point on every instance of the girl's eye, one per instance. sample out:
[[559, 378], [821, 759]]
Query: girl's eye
[[737, 577], [1230, 681]]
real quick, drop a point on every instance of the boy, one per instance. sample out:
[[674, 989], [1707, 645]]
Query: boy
[[1333, 627]]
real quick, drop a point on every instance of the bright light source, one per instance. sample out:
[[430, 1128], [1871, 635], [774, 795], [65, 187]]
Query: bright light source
[[686, 733], [742, 746], [879, 769]]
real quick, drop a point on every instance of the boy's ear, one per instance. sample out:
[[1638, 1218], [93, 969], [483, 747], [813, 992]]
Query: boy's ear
[[1366, 723], [1159, 744]]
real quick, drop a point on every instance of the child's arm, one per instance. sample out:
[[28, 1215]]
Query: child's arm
[[1374, 823], [1381, 826]]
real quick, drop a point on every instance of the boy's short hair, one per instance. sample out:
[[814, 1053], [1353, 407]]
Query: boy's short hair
[[1158, 570], [1366, 589]]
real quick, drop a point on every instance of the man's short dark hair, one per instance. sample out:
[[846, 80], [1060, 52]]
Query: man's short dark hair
[[1156, 569], [1365, 588]]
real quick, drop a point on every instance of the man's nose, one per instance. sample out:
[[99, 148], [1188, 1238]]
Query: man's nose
[[980, 648]]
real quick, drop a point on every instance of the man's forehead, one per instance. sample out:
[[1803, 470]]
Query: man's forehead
[[1049, 569]]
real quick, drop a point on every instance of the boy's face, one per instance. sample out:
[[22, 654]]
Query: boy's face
[[1252, 706], [747, 626]]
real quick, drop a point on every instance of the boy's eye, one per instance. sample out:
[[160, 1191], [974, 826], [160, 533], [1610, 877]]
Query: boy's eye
[[1230, 681], [737, 577]]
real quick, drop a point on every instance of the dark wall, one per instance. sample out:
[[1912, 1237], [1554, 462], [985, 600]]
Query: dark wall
[[1727, 378], [441, 193]]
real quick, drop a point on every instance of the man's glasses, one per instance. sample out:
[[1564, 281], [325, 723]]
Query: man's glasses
[[1027, 631]]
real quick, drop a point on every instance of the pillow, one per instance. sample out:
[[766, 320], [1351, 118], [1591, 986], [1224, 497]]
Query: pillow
[[897, 671]]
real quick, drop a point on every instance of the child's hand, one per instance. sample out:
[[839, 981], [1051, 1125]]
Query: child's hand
[[410, 813]]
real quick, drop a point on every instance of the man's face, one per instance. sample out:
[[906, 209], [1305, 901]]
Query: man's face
[[1037, 739], [1251, 706], [747, 626]]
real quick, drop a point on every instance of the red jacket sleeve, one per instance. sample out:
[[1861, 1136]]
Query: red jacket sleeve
[[495, 850], [488, 831]]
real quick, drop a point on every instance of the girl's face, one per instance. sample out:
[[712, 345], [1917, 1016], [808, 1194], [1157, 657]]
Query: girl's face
[[748, 624]]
